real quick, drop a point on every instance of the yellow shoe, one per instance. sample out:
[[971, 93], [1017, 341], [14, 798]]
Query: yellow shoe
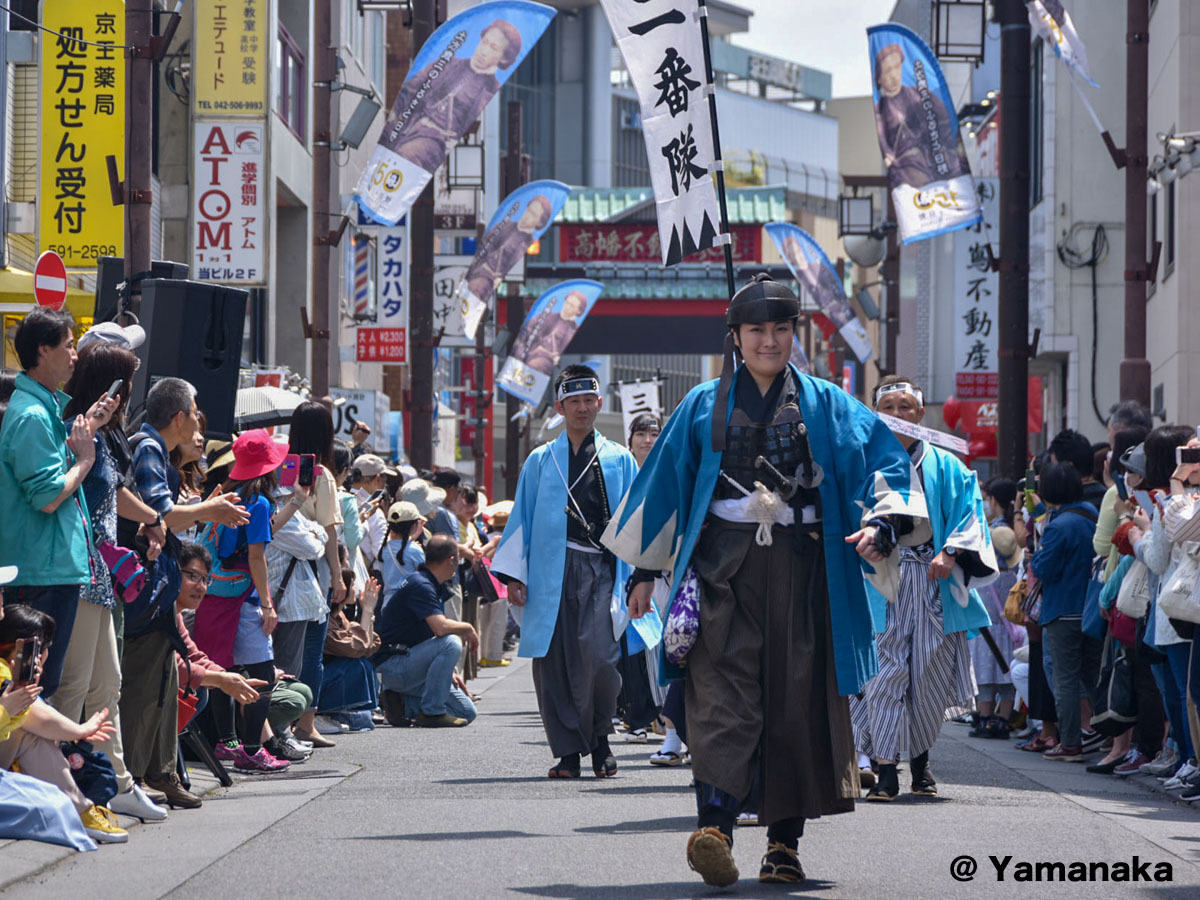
[[494, 663], [102, 826]]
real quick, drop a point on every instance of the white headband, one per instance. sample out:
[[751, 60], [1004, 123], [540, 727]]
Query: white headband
[[902, 387], [573, 387]]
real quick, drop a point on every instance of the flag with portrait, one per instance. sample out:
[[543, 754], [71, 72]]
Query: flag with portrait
[[661, 43], [928, 175], [545, 333], [812, 269], [456, 72]]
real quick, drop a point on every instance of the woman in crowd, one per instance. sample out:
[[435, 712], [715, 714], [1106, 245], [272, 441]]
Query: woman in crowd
[[234, 623], [403, 553], [91, 678], [1062, 563], [493, 614], [312, 433], [349, 690], [354, 514]]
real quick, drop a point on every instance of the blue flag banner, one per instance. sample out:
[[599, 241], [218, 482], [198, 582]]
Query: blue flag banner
[[928, 174], [457, 71], [816, 274], [1053, 24], [547, 330], [522, 218], [799, 357]]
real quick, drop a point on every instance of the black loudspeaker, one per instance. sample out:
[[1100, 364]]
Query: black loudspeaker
[[110, 271], [194, 332]]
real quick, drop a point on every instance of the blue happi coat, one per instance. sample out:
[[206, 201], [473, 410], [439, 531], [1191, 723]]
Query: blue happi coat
[[867, 472], [958, 520], [533, 549]]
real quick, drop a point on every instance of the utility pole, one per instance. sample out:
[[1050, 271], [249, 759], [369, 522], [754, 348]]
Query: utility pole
[[139, 139], [1135, 368], [324, 238], [420, 290], [891, 279], [510, 178], [1012, 438]]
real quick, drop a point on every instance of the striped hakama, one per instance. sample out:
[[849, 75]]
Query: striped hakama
[[924, 674]]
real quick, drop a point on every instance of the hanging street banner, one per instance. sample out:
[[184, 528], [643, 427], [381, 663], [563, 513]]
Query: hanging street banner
[[661, 43], [82, 120], [639, 397], [457, 71], [799, 358], [229, 226], [230, 56], [977, 302], [523, 217], [915, 118], [820, 280], [387, 340], [545, 333], [448, 273], [1053, 24]]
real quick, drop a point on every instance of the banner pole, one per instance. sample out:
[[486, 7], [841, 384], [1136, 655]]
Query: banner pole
[[718, 166]]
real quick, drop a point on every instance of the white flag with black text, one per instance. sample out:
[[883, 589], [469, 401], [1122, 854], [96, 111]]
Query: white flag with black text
[[661, 43]]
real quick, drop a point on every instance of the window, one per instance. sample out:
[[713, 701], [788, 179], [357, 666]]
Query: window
[[630, 165], [1036, 132], [379, 53], [533, 84], [1169, 230], [291, 94]]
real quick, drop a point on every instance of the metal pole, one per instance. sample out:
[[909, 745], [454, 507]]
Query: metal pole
[[139, 138], [891, 277], [1012, 437], [1135, 368], [324, 71], [420, 230], [716, 134], [514, 310], [481, 409]]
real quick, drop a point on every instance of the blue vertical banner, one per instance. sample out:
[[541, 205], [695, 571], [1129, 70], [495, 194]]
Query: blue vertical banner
[[544, 336], [820, 280], [522, 218], [456, 72], [928, 174]]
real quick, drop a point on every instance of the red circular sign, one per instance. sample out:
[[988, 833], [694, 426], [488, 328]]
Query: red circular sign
[[50, 280]]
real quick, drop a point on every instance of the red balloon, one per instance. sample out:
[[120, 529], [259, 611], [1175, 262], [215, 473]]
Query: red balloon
[[952, 411]]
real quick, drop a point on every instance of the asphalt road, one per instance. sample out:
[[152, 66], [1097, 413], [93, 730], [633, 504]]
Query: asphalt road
[[470, 814]]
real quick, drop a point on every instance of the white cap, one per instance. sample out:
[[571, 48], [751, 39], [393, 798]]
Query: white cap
[[129, 338]]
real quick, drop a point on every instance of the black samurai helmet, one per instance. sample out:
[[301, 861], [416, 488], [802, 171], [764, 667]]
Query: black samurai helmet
[[762, 299]]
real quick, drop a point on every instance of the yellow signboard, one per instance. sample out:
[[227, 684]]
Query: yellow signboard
[[229, 59], [82, 121]]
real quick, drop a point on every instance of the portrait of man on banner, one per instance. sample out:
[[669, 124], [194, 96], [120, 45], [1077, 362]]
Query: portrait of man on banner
[[543, 342], [438, 115], [820, 283], [917, 134]]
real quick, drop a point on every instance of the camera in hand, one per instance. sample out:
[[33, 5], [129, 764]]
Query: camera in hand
[[308, 464], [31, 654]]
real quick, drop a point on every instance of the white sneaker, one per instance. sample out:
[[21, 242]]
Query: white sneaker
[[1175, 783], [298, 745], [135, 803], [326, 725]]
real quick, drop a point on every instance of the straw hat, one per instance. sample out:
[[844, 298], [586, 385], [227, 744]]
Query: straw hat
[[423, 495], [1004, 539], [497, 514]]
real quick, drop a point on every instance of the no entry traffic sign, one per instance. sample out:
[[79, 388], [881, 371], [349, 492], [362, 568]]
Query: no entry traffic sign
[[50, 280]]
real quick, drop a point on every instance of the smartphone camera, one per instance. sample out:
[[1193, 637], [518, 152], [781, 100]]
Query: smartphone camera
[[1187, 456]]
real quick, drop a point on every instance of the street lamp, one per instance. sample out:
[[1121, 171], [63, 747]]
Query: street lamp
[[856, 215], [959, 30], [466, 167]]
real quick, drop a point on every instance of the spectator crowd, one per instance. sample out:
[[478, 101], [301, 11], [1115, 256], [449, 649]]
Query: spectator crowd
[[169, 596]]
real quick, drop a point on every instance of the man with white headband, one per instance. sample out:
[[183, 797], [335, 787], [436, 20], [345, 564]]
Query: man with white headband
[[924, 663], [566, 588]]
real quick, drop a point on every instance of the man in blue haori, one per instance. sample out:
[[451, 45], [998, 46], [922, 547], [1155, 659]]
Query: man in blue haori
[[565, 586], [924, 661], [766, 488]]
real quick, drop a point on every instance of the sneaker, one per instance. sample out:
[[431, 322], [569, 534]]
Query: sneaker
[[887, 786], [101, 825], [228, 752], [262, 761], [747, 818], [999, 730], [1165, 763], [710, 852], [1177, 781], [1191, 794], [1133, 764], [982, 729], [780, 865], [445, 720], [326, 725], [281, 750], [1092, 740], [135, 803], [636, 736], [1064, 753]]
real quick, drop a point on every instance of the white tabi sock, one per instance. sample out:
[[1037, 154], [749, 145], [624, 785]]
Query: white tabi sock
[[671, 743]]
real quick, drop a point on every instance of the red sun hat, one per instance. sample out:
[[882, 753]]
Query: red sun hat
[[255, 454]]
